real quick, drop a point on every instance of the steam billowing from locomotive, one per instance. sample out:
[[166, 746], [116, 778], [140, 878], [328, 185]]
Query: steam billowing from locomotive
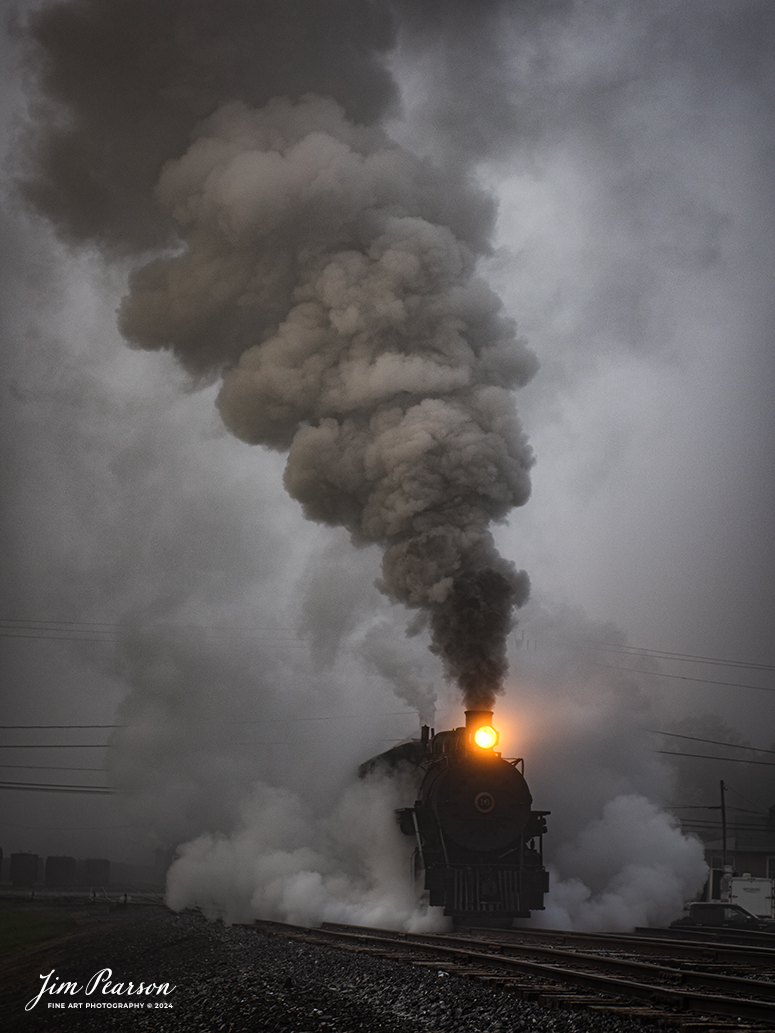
[[326, 274]]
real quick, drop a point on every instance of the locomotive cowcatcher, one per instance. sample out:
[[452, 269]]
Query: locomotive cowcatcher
[[479, 848]]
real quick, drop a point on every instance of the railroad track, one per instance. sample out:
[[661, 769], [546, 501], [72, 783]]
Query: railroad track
[[672, 989], [707, 934], [705, 953]]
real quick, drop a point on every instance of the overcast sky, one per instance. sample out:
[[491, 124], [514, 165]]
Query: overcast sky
[[630, 148]]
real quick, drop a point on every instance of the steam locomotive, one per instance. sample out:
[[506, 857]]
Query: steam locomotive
[[479, 845]]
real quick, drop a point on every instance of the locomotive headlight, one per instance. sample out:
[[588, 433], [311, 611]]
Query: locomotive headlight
[[486, 737]]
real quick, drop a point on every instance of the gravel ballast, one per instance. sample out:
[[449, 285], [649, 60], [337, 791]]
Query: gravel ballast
[[239, 979]]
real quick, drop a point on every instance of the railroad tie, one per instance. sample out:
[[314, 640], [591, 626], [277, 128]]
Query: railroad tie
[[716, 1026], [567, 1000], [636, 1013]]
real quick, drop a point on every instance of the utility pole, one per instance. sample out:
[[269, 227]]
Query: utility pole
[[723, 825]]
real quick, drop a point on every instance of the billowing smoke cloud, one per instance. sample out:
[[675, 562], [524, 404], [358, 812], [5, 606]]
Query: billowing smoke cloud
[[123, 83], [389, 374], [331, 276]]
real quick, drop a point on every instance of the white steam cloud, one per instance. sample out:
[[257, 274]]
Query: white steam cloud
[[631, 867], [617, 858], [281, 864]]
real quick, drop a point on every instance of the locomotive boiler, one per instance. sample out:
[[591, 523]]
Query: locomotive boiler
[[479, 846]]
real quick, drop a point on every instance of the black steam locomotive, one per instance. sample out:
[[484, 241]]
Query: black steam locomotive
[[479, 844]]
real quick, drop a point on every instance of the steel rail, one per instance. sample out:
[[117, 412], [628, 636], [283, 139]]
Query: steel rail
[[606, 963], [682, 997], [712, 950], [708, 934]]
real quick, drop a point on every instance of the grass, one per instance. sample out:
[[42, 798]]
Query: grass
[[25, 926]]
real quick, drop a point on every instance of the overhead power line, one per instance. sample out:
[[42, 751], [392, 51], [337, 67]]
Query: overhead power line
[[58, 625], [714, 807], [695, 807], [56, 746], [737, 792], [110, 745], [47, 767], [733, 827], [4, 727], [657, 654], [686, 677], [724, 760], [21, 621], [55, 638], [263, 720], [714, 742], [72, 828], [41, 787], [106, 631], [663, 654], [739, 826]]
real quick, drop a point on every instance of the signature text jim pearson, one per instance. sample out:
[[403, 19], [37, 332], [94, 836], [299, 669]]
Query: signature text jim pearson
[[100, 982]]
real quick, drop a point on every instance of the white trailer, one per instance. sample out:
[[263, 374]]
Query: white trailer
[[755, 895]]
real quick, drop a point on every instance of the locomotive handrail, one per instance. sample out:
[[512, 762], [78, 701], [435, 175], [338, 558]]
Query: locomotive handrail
[[418, 837], [443, 845], [514, 761]]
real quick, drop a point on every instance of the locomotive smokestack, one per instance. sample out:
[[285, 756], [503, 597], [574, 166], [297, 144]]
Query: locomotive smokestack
[[476, 718]]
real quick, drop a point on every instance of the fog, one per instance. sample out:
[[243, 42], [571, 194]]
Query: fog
[[587, 189]]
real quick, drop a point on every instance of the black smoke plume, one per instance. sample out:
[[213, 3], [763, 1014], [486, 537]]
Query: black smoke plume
[[327, 275]]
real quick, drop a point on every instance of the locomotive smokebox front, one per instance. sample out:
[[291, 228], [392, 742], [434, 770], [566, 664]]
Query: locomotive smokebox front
[[478, 845], [480, 801]]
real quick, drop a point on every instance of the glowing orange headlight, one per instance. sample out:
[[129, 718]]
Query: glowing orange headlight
[[486, 737]]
